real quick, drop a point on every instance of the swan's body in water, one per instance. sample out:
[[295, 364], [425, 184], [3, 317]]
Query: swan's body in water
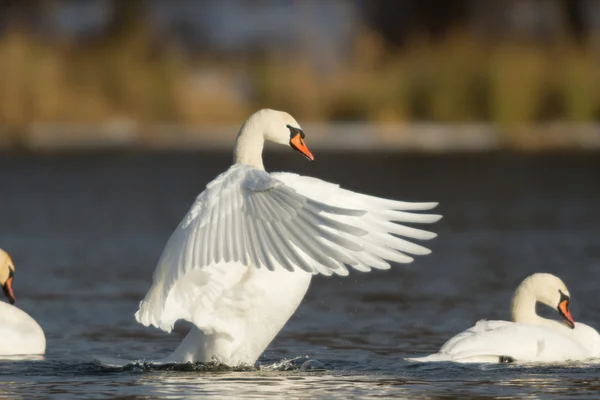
[[19, 333], [529, 338], [241, 261]]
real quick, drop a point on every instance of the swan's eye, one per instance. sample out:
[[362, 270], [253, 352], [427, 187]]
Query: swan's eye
[[563, 296], [294, 132], [11, 273]]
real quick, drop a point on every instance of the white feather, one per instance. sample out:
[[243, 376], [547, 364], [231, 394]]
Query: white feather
[[241, 260]]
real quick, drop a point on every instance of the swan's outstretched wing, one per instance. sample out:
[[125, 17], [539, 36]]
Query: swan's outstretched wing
[[249, 216], [380, 219]]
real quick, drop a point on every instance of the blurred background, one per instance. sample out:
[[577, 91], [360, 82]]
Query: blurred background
[[466, 74], [115, 114]]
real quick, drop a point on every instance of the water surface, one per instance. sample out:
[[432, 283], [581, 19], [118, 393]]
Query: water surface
[[85, 232]]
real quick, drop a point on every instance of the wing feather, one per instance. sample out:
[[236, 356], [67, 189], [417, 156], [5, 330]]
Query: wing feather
[[254, 247], [320, 252], [372, 260], [318, 207], [402, 216], [265, 250], [388, 253], [211, 235], [400, 244], [323, 220], [318, 221], [291, 252], [254, 219], [401, 230], [280, 250]]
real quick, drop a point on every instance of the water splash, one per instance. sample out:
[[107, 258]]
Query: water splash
[[302, 363]]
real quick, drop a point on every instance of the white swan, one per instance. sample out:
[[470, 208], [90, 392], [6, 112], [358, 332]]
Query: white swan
[[241, 260], [530, 338], [19, 333]]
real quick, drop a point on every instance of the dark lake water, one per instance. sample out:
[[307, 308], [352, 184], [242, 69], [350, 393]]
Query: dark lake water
[[85, 232]]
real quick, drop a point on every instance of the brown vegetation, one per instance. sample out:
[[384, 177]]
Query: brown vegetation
[[456, 79]]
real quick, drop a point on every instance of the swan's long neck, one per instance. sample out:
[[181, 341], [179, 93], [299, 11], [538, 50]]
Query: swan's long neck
[[523, 307], [249, 146]]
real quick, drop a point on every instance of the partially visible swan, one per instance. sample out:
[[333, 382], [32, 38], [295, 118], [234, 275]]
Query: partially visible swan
[[240, 262], [530, 338], [19, 333]]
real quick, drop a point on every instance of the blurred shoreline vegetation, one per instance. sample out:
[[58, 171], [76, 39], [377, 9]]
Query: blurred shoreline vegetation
[[457, 78]]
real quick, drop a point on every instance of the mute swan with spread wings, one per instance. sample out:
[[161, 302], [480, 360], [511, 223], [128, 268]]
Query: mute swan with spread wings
[[528, 337], [241, 260]]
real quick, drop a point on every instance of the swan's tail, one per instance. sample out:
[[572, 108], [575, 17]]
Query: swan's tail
[[437, 357], [463, 358]]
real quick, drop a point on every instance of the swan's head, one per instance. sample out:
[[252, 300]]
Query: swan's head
[[7, 273], [279, 127], [550, 290]]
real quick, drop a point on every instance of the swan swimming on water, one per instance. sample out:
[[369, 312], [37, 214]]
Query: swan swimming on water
[[529, 337], [19, 333], [241, 260]]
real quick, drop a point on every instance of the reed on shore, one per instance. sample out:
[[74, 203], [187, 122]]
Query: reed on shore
[[456, 79]]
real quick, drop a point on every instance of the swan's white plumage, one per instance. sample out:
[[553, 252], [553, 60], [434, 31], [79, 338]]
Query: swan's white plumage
[[488, 341], [251, 217], [528, 338], [20, 334], [241, 260]]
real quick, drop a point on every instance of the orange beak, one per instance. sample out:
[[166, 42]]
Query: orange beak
[[297, 143], [8, 290], [563, 309]]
